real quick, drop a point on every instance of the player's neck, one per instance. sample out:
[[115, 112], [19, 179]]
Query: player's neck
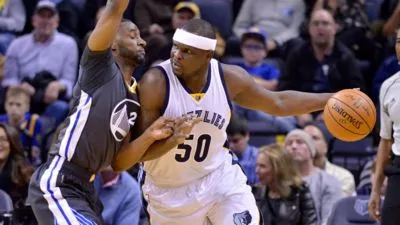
[[127, 70], [197, 81]]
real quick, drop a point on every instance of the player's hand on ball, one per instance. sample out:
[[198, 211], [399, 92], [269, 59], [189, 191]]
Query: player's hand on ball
[[184, 126], [161, 128], [374, 206]]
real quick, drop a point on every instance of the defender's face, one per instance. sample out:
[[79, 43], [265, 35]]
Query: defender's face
[[187, 60], [129, 44]]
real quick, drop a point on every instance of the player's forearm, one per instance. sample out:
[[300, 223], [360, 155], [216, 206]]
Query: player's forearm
[[132, 152], [106, 28], [159, 148], [297, 103], [382, 160]]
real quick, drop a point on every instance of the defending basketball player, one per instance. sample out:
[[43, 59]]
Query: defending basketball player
[[197, 182], [105, 108]]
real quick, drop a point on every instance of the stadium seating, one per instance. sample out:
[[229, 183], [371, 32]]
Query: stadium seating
[[351, 211]]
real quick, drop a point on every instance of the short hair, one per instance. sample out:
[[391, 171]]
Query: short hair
[[17, 91], [237, 125], [200, 27]]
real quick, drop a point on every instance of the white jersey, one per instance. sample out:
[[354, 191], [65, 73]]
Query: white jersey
[[205, 149]]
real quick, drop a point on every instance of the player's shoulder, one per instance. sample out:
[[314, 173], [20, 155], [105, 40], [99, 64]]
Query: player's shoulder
[[395, 78]]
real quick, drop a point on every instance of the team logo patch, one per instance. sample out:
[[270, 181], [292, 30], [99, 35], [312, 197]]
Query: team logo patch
[[243, 218], [123, 117], [361, 207]]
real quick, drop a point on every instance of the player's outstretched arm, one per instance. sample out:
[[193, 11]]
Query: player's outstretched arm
[[244, 91], [152, 96], [131, 152], [106, 28]]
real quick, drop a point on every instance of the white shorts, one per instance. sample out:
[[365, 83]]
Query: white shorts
[[220, 198]]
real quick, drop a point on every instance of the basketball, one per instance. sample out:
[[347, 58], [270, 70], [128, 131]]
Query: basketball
[[349, 115]]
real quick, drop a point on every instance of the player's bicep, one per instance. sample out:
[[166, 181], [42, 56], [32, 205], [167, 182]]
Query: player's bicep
[[152, 92], [246, 92]]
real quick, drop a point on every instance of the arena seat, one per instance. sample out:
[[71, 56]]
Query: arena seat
[[351, 211]]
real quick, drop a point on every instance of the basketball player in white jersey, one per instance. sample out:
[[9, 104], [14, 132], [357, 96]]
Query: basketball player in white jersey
[[197, 182]]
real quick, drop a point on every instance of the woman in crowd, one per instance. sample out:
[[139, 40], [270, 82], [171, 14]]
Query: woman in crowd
[[15, 172], [283, 197]]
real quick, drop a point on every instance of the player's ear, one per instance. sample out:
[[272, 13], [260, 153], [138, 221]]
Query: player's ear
[[210, 55]]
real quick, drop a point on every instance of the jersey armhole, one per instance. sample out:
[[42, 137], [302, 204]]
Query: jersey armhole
[[166, 97], [221, 74]]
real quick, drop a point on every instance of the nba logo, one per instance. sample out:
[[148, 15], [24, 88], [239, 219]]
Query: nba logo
[[198, 97]]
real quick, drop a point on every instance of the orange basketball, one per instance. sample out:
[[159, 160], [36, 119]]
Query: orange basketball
[[350, 115]]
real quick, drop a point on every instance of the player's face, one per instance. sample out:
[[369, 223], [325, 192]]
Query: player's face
[[4, 146], [297, 149], [253, 51], [16, 107], [322, 28], [318, 139], [187, 60], [398, 44], [129, 44], [181, 17], [45, 22], [264, 170], [238, 142]]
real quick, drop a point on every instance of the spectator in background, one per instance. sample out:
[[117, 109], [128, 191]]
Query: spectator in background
[[29, 125], [12, 21], [253, 46], [183, 12], [238, 137], [283, 197], [280, 19], [121, 197], [321, 64], [44, 63], [345, 178], [367, 177], [324, 188], [15, 173]]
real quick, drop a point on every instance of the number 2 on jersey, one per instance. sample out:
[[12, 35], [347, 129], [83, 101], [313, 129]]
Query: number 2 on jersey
[[202, 147]]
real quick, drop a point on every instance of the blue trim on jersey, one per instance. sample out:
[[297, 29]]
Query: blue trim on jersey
[[221, 73], [52, 193], [206, 86], [73, 127], [82, 219], [166, 97]]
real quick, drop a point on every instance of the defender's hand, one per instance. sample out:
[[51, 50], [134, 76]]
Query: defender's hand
[[161, 128], [184, 126], [118, 5]]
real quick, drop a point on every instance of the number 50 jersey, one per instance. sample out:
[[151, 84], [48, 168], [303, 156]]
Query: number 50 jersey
[[205, 149]]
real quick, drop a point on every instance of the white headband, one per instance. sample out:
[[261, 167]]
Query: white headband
[[194, 40]]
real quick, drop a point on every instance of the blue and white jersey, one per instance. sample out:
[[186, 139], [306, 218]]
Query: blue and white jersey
[[205, 148]]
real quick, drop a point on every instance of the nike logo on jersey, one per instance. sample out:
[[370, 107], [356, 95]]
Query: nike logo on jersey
[[210, 117]]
